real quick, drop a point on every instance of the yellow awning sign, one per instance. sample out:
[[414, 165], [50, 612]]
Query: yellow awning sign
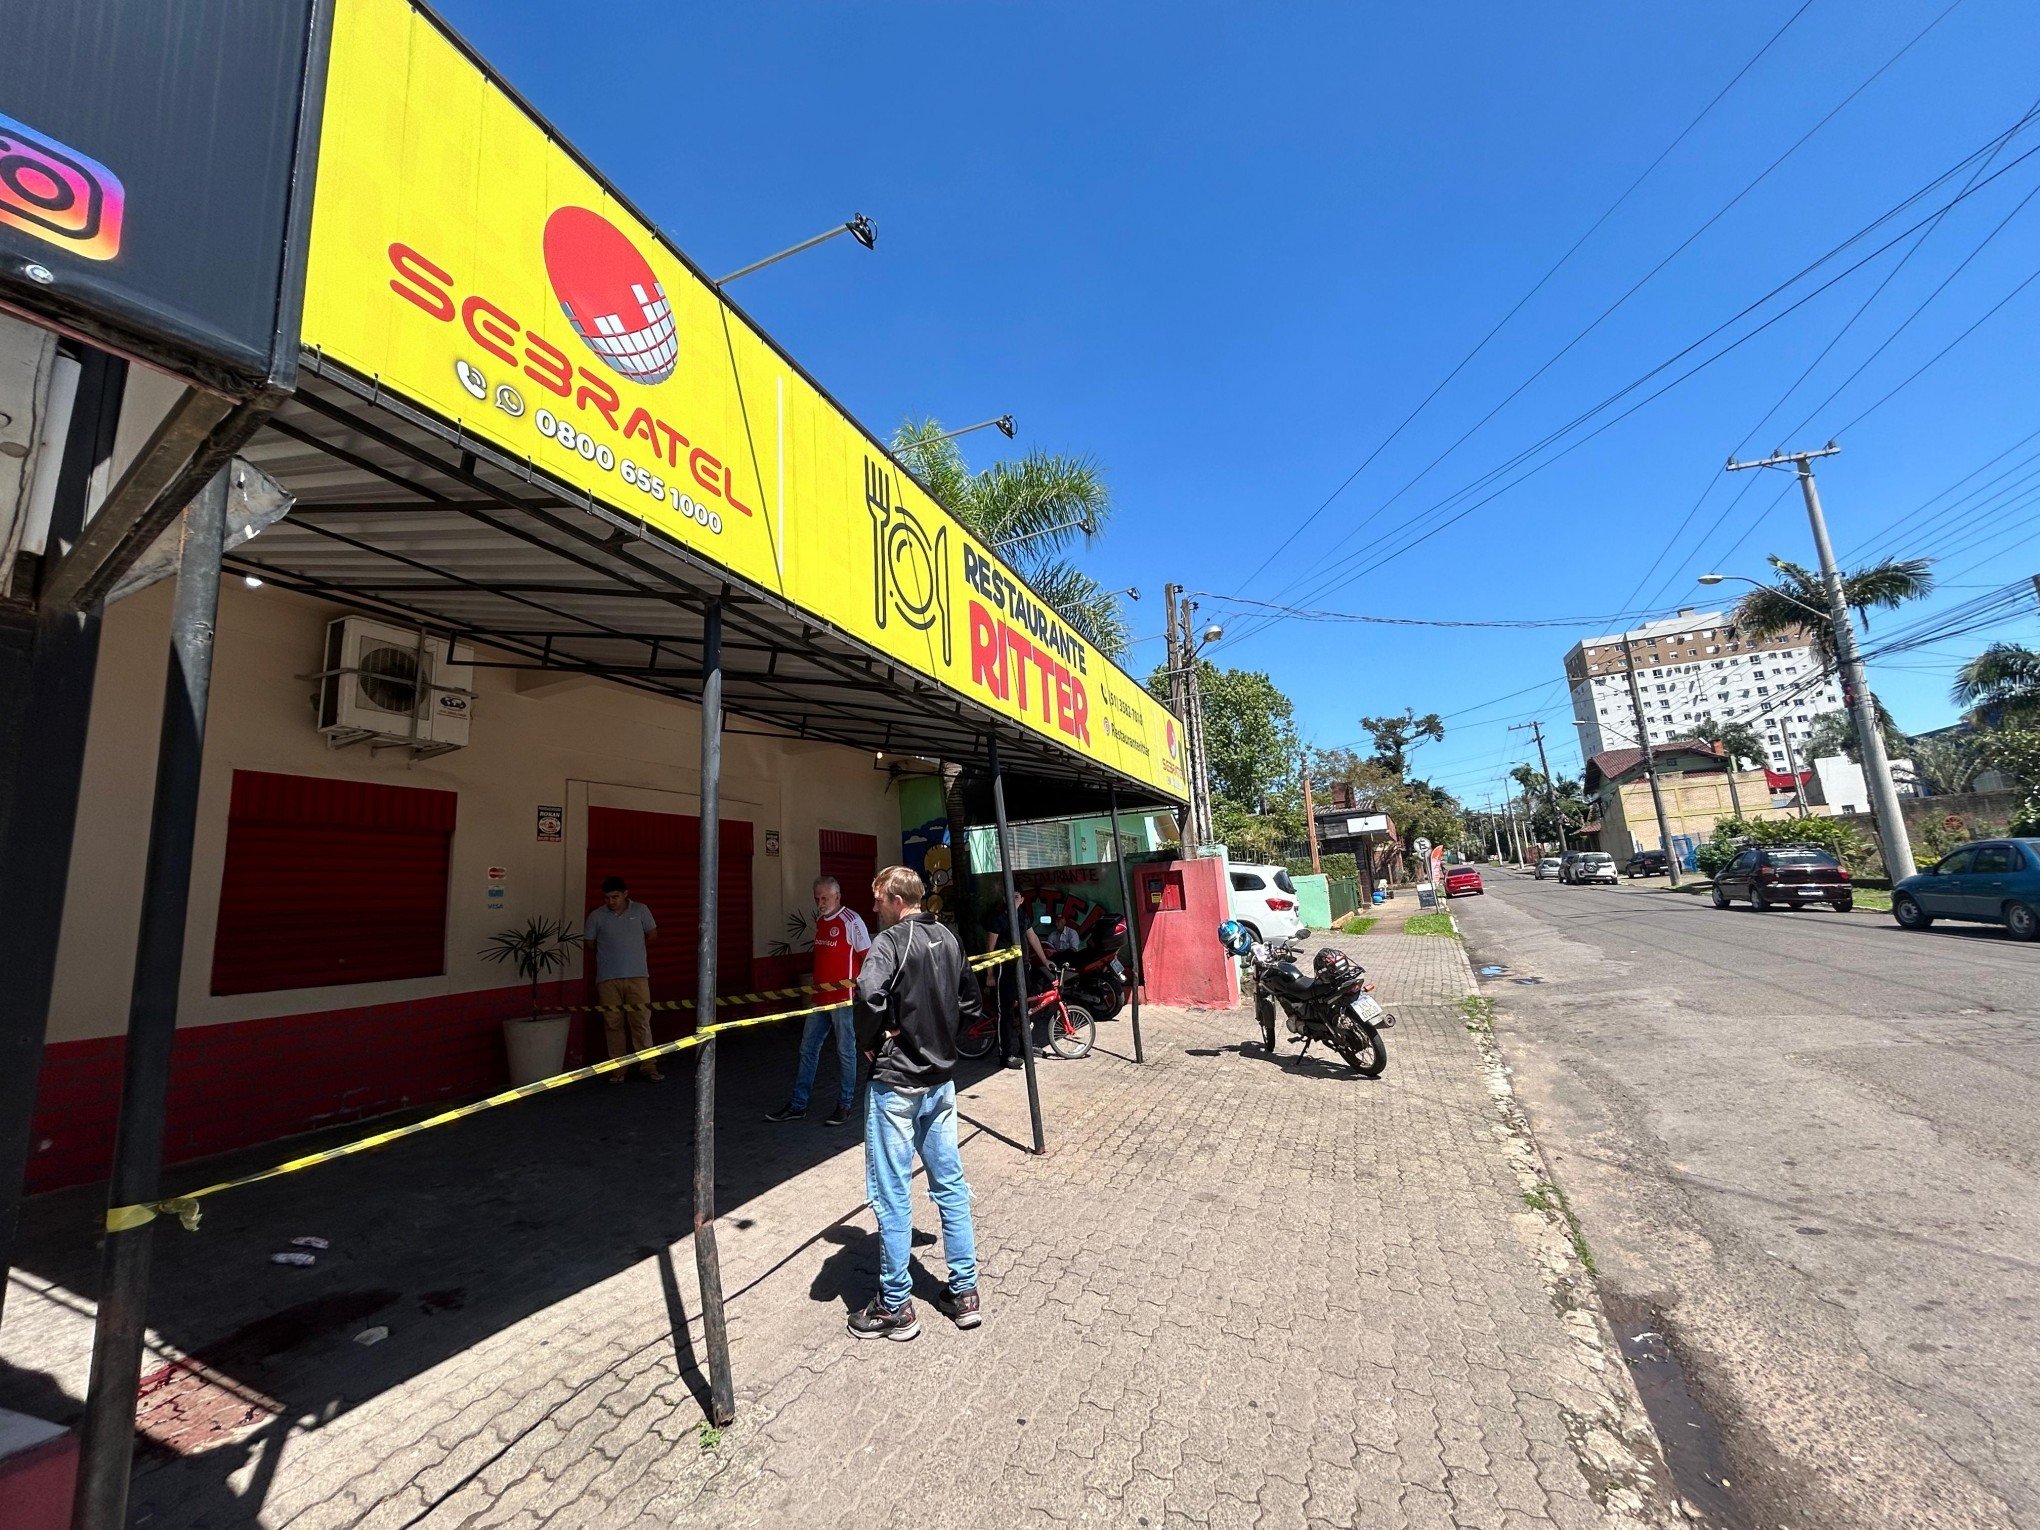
[[467, 262]]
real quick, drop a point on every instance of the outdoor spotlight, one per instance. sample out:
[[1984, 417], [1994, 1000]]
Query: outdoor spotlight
[[1712, 578], [251, 581], [1131, 592], [1006, 426], [1213, 633], [864, 231]]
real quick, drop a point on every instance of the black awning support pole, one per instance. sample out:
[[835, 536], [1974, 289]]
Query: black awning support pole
[[107, 1449], [1020, 942], [715, 1330], [1126, 906], [51, 705]]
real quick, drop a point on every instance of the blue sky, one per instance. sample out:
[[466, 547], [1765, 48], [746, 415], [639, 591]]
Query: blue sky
[[1226, 249]]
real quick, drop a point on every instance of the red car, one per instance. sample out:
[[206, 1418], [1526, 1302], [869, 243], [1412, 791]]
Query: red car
[[1462, 879]]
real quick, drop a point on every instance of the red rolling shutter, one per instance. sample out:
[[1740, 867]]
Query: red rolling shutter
[[329, 882], [852, 859], [658, 855]]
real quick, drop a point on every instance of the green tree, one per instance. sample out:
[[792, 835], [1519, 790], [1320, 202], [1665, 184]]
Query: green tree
[[2000, 686], [1418, 809], [1573, 807], [1031, 513], [1251, 746], [1947, 765], [1833, 733], [2016, 752], [1739, 745], [1799, 599], [1395, 736], [1837, 836]]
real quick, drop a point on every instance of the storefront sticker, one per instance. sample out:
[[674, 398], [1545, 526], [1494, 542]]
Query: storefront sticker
[[552, 822]]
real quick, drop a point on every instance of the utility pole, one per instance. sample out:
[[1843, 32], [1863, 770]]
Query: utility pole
[[1515, 824], [1179, 702], [1187, 701], [1310, 814], [1536, 728], [1856, 695], [1200, 779], [1657, 795], [1792, 764]]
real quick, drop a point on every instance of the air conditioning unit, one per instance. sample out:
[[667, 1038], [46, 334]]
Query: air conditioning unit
[[389, 687]]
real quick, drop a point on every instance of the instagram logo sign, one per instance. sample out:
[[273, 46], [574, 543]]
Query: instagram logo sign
[[58, 194]]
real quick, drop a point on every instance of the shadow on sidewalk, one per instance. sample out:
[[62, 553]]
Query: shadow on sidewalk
[[444, 1240]]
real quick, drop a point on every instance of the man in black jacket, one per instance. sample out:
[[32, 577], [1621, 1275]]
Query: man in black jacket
[[913, 992]]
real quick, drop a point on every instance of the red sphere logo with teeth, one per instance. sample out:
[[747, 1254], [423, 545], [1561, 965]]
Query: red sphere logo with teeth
[[610, 295]]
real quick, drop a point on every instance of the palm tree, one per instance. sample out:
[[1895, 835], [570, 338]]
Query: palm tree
[[2001, 684], [1028, 512], [1739, 746], [1834, 733], [1799, 599]]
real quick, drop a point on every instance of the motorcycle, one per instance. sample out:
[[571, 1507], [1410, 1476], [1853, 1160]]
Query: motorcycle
[[1333, 1002], [1099, 980]]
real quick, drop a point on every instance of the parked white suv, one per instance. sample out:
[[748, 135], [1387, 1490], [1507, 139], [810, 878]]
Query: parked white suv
[[1264, 900]]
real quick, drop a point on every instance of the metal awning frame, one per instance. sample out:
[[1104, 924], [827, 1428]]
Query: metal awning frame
[[614, 598]]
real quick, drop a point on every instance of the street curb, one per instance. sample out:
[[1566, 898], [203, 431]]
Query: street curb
[[1619, 1451]]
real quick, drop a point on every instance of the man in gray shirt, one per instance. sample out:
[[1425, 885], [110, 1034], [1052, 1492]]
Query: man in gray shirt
[[619, 931]]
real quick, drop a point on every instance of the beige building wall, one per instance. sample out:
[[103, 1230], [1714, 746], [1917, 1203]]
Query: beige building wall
[[1694, 804], [535, 739]]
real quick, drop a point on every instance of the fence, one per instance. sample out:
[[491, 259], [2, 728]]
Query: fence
[[1345, 896]]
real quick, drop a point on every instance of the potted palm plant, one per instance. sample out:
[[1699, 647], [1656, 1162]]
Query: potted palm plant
[[539, 947]]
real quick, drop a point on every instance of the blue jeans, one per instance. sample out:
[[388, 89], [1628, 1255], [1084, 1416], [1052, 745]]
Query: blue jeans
[[896, 1127], [811, 1036]]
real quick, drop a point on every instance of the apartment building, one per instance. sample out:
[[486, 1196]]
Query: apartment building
[[1689, 666]]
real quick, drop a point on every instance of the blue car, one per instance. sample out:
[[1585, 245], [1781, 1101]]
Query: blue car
[[1993, 881]]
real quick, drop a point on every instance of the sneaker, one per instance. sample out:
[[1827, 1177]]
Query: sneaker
[[1015, 1062], [960, 1307], [787, 1112], [837, 1116], [874, 1322]]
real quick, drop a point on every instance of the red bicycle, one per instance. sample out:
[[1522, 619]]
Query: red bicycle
[[1071, 1027]]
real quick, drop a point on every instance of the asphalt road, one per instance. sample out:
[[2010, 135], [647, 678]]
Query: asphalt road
[[1802, 1146]]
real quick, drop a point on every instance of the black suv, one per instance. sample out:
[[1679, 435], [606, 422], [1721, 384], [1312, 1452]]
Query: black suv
[[1648, 863], [1784, 876]]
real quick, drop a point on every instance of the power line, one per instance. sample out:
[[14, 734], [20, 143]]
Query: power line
[[1806, 372], [1648, 276], [1300, 614], [1944, 350], [1536, 288], [1340, 568], [1884, 536]]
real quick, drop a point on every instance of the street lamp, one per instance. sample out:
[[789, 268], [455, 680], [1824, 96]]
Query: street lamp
[[1005, 423], [860, 228], [1712, 579]]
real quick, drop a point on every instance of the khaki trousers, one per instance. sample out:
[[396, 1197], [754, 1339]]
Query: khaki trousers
[[627, 999]]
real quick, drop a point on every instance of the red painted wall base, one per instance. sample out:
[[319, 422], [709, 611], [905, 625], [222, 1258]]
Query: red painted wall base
[[254, 1081], [1181, 904]]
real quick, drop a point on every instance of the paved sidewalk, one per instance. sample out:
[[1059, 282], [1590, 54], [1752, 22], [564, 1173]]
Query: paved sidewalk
[[1238, 1291]]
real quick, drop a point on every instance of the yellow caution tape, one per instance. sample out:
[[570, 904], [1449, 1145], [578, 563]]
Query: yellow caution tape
[[722, 1000], [186, 1208]]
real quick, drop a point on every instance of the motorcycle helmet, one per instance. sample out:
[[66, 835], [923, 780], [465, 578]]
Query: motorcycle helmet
[[1234, 937], [1335, 966]]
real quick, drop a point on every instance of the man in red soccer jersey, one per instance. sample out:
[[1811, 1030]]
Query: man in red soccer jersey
[[840, 943]]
